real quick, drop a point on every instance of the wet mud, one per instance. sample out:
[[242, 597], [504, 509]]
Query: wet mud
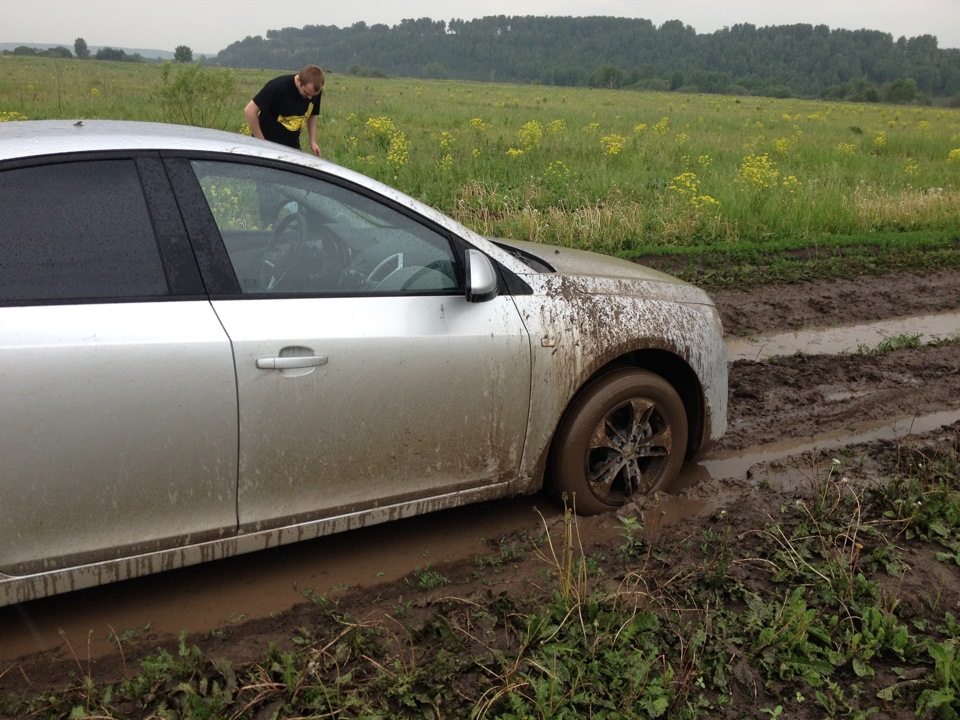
[[856, 338], [826, 303], [790, 408]]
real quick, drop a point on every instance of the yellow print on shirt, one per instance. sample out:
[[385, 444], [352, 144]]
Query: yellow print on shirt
[[294, 123]]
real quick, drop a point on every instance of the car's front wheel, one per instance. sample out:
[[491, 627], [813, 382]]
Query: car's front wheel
[[626, 433]]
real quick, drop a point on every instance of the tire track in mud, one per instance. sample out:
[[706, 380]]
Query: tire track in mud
[[808, 395], [814, 383], [827, 385]]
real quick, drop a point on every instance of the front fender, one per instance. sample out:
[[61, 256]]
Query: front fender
[[575, 334]]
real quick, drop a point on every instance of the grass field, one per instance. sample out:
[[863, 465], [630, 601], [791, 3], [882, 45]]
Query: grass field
[[627, 173]]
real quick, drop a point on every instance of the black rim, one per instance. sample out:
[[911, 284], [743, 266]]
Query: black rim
[[628, 450]]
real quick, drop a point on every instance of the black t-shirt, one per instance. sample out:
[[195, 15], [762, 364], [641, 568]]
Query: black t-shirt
[[283, 111]]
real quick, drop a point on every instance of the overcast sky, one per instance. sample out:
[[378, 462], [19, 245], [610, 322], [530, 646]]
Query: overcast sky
[[208, 26]]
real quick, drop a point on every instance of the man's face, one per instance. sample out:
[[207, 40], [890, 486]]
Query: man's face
[[307, 90]]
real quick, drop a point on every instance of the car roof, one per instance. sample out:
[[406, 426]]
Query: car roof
[[33, 138]]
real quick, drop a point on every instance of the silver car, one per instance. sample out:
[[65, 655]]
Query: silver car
[[211, 345]]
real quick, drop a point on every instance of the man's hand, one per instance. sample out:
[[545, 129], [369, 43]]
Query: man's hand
[[312, 135]]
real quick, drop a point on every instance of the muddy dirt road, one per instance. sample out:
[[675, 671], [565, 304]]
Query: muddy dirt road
[[780, 408]]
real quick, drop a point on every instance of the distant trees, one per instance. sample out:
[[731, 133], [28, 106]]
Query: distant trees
[[57, 52], [790, 60], [902, 90], [607, 76], [360, 71], [109, 53], [435, 71], [117, 55], [780, 61]]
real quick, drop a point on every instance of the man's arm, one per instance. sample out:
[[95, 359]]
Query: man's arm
[[252, 113], [312, 134]]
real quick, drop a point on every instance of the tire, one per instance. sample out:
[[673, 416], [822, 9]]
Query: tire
[[626, 433]]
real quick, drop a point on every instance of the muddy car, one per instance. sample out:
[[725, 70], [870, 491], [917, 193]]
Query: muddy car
[[211, 345]]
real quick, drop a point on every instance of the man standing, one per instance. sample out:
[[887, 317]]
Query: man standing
[[284, 105]]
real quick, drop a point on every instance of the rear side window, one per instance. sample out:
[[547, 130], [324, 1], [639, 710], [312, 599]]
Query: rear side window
[[76, 231]]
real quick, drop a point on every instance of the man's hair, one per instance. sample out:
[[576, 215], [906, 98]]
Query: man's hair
[[311, 75]]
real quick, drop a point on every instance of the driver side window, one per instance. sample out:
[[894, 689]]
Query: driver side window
[[288, 234]]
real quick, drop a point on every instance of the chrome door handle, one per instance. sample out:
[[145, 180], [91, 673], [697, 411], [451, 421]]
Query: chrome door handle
[[289, 363]]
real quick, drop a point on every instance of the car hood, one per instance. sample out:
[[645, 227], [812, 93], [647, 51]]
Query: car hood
[[565, 269], [572, 263]]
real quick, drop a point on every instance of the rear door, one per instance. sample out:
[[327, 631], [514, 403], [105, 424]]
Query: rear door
[[118, 429]]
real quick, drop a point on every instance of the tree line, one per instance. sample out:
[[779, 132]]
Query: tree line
[[789, 60], [81, 51]]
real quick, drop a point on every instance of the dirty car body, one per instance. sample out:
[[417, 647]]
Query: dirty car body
[[211, 345]]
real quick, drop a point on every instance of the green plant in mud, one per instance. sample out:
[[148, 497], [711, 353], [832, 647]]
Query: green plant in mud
[[894, 342], [717, 558], [855, 624], [878, 632], [822, 545], [582, 653], [510, 550], [129, 635], [600, 656], [952, 339], [428, 579], [790, 639], [631, 544], [187, 669], [625, 651], [566, 559], [924, 501], [329, 598], [941, 697], [180, 684]]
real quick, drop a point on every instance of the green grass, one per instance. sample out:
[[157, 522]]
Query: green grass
[[625, 173], [792, 260]]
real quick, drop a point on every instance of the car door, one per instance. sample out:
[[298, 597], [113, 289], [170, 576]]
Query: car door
[[118, 426], [365, 378]]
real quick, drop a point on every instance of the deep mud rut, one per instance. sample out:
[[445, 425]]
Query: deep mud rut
[[786, 417]]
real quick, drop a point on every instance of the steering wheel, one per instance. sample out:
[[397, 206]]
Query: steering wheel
[[277, 259], [384, 269]]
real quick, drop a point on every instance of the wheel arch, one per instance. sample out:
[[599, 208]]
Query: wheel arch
[[684, 380], [672, 368]]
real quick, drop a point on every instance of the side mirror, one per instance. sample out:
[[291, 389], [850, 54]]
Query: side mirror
[[482, 280]]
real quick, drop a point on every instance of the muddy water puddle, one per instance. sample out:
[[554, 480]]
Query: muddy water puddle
[[215, 596], [845, 339], [736, 463]]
